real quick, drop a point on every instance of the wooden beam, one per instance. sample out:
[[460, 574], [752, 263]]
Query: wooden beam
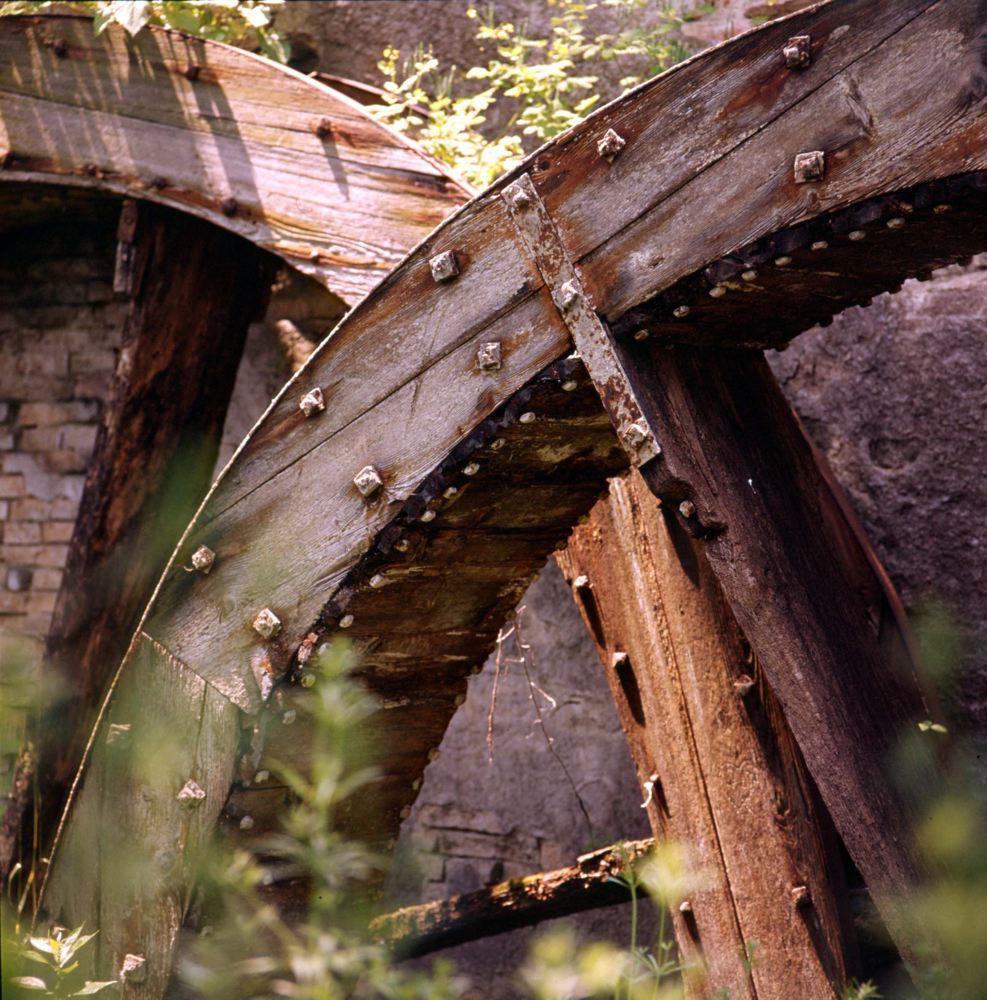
[[192, 289], [737, 472], [521, 902], [309, 176], [161, 768], [402, 378], [721, 774]]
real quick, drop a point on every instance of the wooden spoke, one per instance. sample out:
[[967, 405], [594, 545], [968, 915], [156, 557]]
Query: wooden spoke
[[719, 770], [737, 472], [193, 289]]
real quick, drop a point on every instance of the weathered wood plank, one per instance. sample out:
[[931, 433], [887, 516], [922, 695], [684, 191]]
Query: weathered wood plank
[[126, 863], [425, 608], [483, 299], [273, 560], [684, 121], [728, 782], [893, 118], [521, 902], [388, 341], [221, 133], [737, 472], [277, 463]]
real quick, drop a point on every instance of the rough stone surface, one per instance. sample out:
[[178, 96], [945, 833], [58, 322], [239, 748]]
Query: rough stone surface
[[895, 395]]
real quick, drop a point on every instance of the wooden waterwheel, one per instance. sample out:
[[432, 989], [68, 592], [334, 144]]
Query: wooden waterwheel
[[598, 314]]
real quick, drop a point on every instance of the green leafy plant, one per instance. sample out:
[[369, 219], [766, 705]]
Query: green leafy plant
[[860, 991], [57, 952], [533, 88], [560, 967], [245, 23]]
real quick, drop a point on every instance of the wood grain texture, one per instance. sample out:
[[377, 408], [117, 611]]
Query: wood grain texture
[[893, 118], [729, 783], [425, 606], [700, 113], [220, 133], [406, 358], [129, 857], [267, 553], [738, 473], [405, 392]]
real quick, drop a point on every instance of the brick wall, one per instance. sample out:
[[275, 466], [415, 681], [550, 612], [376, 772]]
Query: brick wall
[[59, 330]]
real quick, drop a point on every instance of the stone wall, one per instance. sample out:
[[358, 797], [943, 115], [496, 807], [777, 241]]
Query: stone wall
[[59, 330]]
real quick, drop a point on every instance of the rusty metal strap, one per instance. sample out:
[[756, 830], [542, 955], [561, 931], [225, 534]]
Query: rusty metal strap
[[542, 241]]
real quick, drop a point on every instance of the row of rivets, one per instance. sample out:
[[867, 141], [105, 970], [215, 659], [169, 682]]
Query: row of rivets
[[785, 260], [369, 479]]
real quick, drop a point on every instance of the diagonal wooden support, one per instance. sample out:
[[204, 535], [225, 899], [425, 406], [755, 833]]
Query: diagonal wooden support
[[541, 240], [737, 471], [721, 773]]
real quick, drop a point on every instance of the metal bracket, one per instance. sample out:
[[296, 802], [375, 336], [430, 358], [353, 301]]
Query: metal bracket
[[592, 339]]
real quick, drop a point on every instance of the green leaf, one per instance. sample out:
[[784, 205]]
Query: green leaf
[[182, 18], [74, 942], [33, 956], [274, 46], [256, 17], [43, 944], [30, 983]]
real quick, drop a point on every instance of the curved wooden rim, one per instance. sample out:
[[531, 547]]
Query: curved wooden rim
[[254, 147]]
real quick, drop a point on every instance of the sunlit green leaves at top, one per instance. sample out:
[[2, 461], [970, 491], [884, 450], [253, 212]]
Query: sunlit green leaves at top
[[482, 120], [245, 23]]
